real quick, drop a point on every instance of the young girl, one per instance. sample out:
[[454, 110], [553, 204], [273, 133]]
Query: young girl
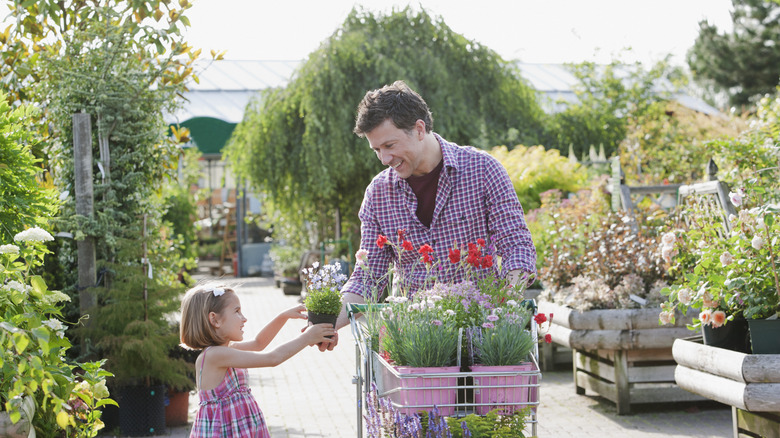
[[211, 320]]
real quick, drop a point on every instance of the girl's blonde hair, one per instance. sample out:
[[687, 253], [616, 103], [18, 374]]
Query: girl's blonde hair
[[196, 332]]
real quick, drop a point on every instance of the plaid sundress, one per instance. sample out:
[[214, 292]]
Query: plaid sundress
[[229, 410]]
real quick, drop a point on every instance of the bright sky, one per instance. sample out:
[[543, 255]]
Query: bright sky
[[535, 31]]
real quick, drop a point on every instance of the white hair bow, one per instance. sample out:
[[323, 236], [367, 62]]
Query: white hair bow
[[217, 291]]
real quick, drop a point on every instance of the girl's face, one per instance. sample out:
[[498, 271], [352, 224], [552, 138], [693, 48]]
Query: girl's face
[[229, 323]]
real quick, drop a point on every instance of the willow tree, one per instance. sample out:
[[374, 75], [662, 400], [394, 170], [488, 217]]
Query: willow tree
[[296, 143]]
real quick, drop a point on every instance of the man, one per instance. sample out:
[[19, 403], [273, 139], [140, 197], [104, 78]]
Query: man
[[433, 192]]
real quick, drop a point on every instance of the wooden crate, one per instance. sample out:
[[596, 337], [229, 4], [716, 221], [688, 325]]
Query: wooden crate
[[750, 383], [623, 355]]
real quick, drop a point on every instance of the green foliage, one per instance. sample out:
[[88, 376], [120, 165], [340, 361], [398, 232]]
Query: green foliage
[[125, 72], [492, 425], [506, 341], [534, 170], [286, 259], [33, 345], [609, 99], [419, 335], [297, 145], [23, 201], [745, 62], [323, 301]]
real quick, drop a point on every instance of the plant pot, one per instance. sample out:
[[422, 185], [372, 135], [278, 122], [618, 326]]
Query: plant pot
[[142, 410], [508, 388], [415, 389], [730, 336], [23, 428], [319, 318], [765, 336], [177, 405]]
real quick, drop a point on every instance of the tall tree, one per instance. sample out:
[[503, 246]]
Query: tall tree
[[745, 63], [297, 144]]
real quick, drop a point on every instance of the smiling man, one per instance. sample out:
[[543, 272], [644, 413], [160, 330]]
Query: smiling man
[[434, 192]]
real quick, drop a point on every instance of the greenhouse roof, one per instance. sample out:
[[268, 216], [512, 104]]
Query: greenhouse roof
[[226, 87]]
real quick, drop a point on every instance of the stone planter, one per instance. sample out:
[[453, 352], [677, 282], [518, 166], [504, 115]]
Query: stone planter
[[749, 383], [623, 355]]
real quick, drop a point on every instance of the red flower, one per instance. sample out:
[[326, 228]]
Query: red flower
[[426, 251], [401, 234], [454, 255], [487, 261], [473, 260], [540, 318], [481, 242], [548, 338], [380, 241], [407, 245]]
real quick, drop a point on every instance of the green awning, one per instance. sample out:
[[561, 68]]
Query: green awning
[[209, 134]]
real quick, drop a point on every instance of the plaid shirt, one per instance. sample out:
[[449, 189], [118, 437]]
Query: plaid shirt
[[475, 200]]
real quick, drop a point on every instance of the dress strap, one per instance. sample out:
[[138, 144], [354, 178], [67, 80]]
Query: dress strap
[[202, 362]]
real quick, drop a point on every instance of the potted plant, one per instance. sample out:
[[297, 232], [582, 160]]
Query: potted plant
[[731, 278], [501, 347], [323, 292]]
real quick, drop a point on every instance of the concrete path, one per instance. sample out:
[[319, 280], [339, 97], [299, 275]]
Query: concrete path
[[312, 394]]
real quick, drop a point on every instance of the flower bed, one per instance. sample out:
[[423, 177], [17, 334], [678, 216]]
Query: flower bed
[[620, 354]]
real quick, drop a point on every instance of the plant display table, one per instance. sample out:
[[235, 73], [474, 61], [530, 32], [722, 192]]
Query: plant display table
[[749, 383], [623, 355]]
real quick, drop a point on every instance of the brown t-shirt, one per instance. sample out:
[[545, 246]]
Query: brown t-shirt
[[425, 188]]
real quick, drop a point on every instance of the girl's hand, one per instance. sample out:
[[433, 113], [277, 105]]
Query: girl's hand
[[294, 312], [317, 333]]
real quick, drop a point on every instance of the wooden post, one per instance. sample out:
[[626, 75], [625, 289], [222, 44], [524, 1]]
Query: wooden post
[[623, 395], [82, 152]]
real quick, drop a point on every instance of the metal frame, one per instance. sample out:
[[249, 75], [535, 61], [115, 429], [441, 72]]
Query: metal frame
[[365, 374]]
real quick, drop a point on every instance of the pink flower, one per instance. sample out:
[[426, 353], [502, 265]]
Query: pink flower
[[736, 198], [718, 318], [726, 258], [705, 316], [685, 295], [488, 325], [436, 322], [361, 257], [492, 318], [665, 317]]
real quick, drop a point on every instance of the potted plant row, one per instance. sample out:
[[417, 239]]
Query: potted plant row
[[429, 348]]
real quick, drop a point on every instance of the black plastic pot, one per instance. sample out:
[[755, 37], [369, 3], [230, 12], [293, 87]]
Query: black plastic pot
[[142, 410], [319, 318], [731, 336]]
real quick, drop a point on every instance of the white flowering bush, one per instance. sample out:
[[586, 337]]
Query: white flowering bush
[[33, 347]]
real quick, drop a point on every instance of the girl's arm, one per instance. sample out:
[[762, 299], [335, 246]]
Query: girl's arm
[[223, 357], [269, 332]]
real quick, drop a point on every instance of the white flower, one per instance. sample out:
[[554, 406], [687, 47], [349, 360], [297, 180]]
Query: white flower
[[665, 317], [54, 324], [757, 242], [512, 303], [9, 249], [449, 312], [15, 285], [669, 238], [34, 234], [726, 258], [685, 295], [736, 198]]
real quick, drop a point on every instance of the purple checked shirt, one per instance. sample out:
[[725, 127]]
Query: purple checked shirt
[[475, 200]]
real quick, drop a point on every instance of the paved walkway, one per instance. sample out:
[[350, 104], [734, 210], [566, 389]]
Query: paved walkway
[[312, 395]]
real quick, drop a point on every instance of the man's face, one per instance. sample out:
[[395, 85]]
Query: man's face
[[399, 149]]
